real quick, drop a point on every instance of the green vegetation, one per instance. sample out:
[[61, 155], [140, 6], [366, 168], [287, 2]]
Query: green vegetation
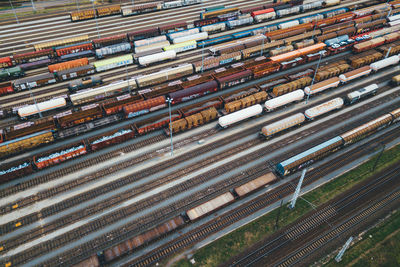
[[226, 247], [380, 246]]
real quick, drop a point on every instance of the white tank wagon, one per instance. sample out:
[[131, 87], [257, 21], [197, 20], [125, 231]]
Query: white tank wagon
[[361, 93], [354, 74], [210, 206], [145, 48], [288, 24], [284, 100], [174, 35], [284, 124], [150, 59], [393, 60], [214, 27], [240, 115], [195, 37], [324, 108], [321, 86], [265, 16], [41, 107], [150, 41]]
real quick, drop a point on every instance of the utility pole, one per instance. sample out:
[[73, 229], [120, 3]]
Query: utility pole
[[379, 156], [34, 101], [133, 3], [202, 58], [169, 100], [15, 14], [315, 73], [33, 6], [126, 71], [339, 256], [278, 214], [95, 17], [387, 54], [297, 192], [77, 5], [262, 46]]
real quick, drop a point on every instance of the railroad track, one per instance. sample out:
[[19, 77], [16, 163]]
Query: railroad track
[[137, 176], [112, 201], [313, 222], [115, 217], [247, 209], [60, 90]]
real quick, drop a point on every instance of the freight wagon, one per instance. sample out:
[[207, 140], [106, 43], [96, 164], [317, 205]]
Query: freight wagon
[[301, 160], [281, 125]]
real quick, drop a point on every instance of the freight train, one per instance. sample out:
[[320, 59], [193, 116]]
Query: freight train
[[129, 10], [68, 49], [130, 245], [309, 156]]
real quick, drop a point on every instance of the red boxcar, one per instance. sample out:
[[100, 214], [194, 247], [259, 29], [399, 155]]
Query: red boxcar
[[5, 62], [177, 26], [144, 107], [74, 49], [157, 122], [260, 12], [6, 88], [115, 39], [59, 155], [143, 34], [115, 105], [193, 92], [34, 56], [113, 137]]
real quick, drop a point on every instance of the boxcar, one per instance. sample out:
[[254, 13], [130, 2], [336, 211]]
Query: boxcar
[[110, 138], [80, 117], [155, 123], [255, 184], [34, 81], [210, 206], [143, 107], [193, 92], [59, 155]]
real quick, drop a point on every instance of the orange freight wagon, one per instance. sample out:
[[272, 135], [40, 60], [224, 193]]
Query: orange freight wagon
[[68, 65]]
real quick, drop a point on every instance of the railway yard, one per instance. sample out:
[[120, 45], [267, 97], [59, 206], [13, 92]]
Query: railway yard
[[136, 135]]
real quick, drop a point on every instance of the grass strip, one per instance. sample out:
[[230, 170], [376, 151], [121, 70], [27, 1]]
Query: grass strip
[[244, 237], [380, 246]]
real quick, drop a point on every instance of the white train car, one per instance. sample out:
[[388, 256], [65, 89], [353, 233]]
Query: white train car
[[284, 100], [322, 86], [164, 75], [354, 74], [265, 16], [210, 206], [113, 49], [240, 115], [174, 35], [289, 24], [150, 59], [393, 60], [239, 22], [393, 18], [34, 109], [217, 27], [361, 93], [324, 108], [286, 123], [181, 47], [150, 41], [111, 89], [145, 48], [196, 37]]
